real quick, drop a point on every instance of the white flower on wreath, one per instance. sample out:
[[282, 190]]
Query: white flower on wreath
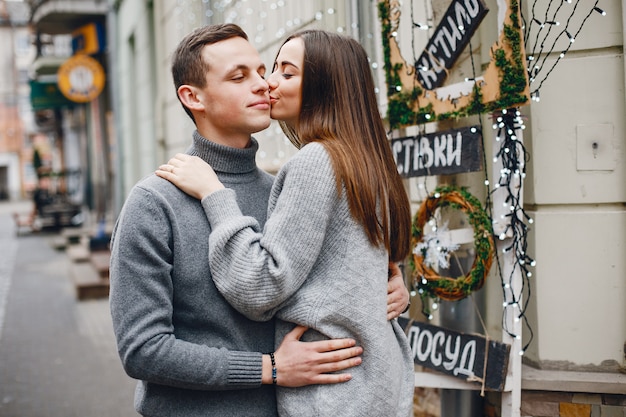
[[434, 252]]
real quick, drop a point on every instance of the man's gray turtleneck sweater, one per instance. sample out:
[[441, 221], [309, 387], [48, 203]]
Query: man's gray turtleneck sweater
[[193, 354]]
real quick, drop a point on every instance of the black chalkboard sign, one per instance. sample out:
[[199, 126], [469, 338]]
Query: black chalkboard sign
[[448, 41], [458, 354], [441, 153]]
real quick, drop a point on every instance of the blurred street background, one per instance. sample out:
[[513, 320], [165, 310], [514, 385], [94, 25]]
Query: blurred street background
[[57, 353]]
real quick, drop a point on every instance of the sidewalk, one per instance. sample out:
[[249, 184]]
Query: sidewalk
[[57, 354]]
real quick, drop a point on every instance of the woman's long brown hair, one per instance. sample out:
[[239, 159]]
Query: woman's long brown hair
[[340, 111]]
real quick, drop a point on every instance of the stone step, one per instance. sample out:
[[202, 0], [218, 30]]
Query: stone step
[[77, 253], [100, 260], [88, 282]]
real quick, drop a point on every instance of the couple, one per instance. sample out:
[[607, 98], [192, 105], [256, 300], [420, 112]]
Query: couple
[[337, 216]]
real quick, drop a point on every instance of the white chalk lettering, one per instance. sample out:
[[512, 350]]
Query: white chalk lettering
[[440, 150], [466, 365], [473, 8], [452, 355], [396, 148], [435, 355], [454, 154], [426, 153], [443, 350], [422, 355]]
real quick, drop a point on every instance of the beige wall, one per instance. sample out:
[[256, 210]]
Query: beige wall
[[135, 91], [577, 196]]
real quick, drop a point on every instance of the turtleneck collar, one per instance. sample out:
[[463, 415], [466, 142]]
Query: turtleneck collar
[[224, 158]]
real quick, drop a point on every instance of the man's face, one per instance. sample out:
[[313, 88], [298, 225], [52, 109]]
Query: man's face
[[236, 98]]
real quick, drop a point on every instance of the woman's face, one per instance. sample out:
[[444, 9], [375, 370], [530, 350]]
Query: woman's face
[[285, 82]]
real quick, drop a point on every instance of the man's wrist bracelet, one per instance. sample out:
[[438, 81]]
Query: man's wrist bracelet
[[408, 307], [274, 372]]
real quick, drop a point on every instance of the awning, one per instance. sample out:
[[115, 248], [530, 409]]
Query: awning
[[47, 96]]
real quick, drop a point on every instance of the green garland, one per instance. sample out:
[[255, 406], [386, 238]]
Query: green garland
[[429, 283]]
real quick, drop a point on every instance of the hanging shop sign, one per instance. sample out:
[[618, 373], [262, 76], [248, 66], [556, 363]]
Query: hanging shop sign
[[450, 38], [88, 39], [465, 356], [47, 96], [442, 153], [81, 78]]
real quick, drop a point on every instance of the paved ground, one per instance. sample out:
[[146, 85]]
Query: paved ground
[[57, 354]]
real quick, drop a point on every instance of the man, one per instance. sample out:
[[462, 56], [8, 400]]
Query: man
[[193, 354]]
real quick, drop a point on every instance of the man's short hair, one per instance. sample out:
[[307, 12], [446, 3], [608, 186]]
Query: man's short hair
[[188, 66]]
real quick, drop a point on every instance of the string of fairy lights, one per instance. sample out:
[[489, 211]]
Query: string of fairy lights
[[554, 28], [513, 155]]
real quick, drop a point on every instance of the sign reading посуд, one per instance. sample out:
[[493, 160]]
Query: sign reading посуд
[[469, 357]]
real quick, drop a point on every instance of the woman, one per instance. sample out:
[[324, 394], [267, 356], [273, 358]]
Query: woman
[[338, 213]]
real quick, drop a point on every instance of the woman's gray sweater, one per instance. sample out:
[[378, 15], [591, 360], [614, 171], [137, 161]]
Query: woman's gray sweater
[[313, 265], [193, 354]]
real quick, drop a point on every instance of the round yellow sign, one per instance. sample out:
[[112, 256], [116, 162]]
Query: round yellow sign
[[81, 78]]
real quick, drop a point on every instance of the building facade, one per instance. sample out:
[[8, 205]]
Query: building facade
[[16, 123], [575, 198], [573, 188]]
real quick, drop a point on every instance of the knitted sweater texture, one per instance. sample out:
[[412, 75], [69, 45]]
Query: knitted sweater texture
[[193, 354], [312, 264]]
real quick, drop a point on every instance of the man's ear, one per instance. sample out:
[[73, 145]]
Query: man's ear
[[191, 97]]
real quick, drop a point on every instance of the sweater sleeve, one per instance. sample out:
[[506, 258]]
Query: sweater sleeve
[[141, 302], [258, 272]]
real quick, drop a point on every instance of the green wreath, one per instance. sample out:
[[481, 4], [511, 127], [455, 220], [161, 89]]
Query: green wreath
[[429, 283]]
